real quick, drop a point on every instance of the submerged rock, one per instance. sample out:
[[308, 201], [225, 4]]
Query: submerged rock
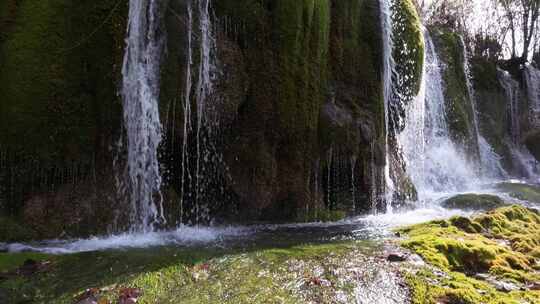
[[473, 202], [523, 192]]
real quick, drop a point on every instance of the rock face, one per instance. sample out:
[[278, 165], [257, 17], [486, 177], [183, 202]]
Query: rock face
[[293, 128], [59, 111], [532, 141]]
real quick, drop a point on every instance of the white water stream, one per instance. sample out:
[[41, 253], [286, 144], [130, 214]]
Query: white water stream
[[140, 94]]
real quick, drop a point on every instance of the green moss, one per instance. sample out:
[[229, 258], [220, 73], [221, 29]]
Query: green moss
[[408, 48], [12, 231], [479, 246], [301, 31], [473, 202], [196, 275], [59, 67], [12, 261]]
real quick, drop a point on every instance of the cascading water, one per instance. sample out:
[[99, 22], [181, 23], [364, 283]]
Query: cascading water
[[140, 93], [388, 89], [490, 161], [434, 162], [204, 91], [523, 161], [512, 92], [187, 112], [197, 149], [532, 80]]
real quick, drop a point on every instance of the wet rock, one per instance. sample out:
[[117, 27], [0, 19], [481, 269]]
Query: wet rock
[[497, 283], [521, 191], [89, 296], [29, 267], [396, 257], [534, 286], [473, 202]]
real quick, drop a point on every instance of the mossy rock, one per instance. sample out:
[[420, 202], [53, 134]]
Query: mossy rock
[[325, 273], [522, 191], [408, 50], [474, 202], [503, 243], [60, 112], [13, 231]]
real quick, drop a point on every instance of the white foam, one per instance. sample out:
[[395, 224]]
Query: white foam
[[187, 236]]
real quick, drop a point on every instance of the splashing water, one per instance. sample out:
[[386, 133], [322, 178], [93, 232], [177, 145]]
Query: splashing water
[[434, 161], [140, 93]]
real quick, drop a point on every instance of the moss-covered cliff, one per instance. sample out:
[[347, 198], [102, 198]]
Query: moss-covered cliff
[[59, 111], [294, 127]]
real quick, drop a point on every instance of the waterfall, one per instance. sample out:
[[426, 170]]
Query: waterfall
[[204, 91], [532, 81], [197, 149], [140, 94], [388, 89], [434, 162], [187, 112], [512, 92], [489, 159], [523, 161]]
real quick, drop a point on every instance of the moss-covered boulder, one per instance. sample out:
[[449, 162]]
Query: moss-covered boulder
[[475, 202], [408, 49], [491, 258]]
